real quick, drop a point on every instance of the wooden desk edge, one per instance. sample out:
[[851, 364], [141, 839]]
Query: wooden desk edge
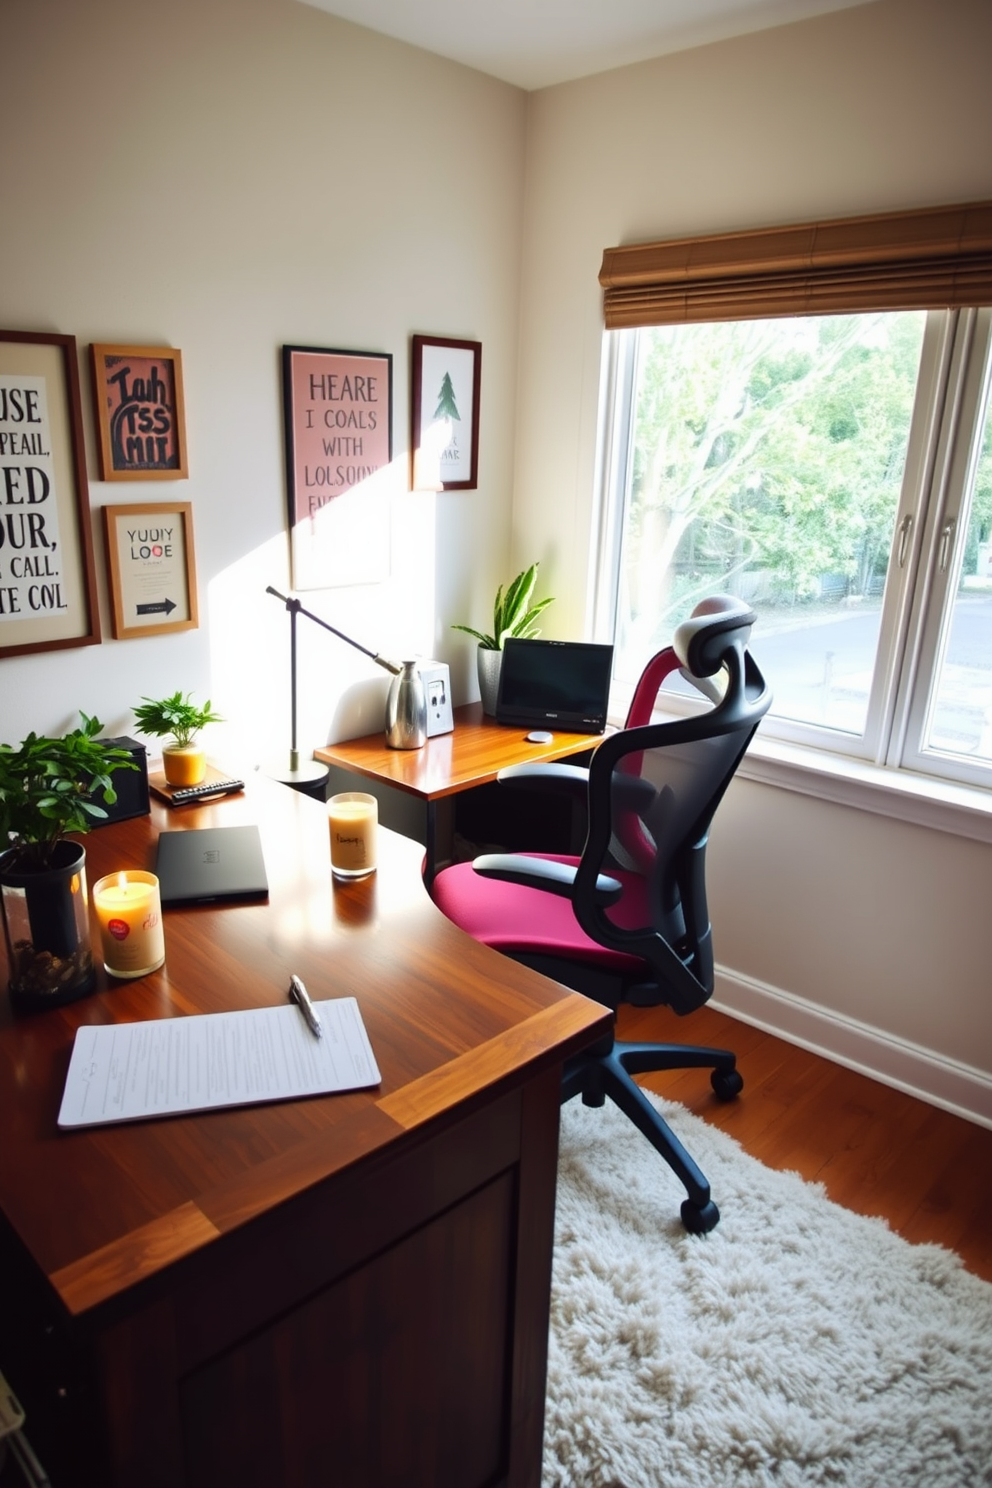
[[92, 1279], [369, 757], [564, 1027]]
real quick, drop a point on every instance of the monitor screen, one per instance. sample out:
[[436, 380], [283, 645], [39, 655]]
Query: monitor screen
[[563, 683]]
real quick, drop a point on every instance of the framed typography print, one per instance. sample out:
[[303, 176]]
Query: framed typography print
[[338, 408], [140, 413], [447, 377], [152, 568], [48, 593]]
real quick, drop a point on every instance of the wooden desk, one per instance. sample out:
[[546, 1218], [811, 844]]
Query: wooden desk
[[351, 1289], [471, 756]]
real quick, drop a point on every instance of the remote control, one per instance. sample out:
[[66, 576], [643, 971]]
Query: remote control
[[209, 788]]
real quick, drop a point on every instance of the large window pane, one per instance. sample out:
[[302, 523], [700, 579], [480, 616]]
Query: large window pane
[[767, 461], [960, 721]]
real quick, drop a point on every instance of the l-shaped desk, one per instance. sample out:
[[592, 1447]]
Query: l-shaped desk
[[342, 1290], [447, 766]]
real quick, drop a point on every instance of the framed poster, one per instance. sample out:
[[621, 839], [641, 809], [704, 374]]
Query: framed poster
[[140, 413], [152, 568], [48, 593], [447, 378], [338, 409]]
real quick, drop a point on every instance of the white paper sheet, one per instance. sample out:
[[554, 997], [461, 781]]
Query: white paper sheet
[[127, 1071]]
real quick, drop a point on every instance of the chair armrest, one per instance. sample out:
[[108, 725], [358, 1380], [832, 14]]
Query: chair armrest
[[569, 780], [543, 873]]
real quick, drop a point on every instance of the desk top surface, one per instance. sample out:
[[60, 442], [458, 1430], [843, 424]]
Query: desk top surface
[[103, 1208], [472, 754]]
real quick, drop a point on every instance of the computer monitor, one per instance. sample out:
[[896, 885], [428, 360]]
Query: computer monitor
[[555, 684]]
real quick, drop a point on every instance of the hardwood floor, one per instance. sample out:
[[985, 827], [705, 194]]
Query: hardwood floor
[[876, 1150]]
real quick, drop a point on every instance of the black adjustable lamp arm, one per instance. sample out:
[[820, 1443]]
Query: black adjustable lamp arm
[[295, 608]]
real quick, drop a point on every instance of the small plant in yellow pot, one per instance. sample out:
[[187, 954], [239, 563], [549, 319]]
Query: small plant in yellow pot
[[179, 720]]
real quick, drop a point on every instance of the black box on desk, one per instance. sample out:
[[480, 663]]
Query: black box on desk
[[131, 785]]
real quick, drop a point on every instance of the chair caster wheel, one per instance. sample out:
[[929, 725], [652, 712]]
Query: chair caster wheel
[[700, 1219], [726, 1084]]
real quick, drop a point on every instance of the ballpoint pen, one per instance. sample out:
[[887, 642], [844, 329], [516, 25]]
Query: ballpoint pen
[[301, 997]]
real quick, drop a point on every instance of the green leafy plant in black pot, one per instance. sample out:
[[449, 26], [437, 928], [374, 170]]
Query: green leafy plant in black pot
[[50, 787]]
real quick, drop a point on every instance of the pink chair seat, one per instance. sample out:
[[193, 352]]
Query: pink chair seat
[[511, 917]]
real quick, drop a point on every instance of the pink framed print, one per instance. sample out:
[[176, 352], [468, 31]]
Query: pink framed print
[[338, 408]]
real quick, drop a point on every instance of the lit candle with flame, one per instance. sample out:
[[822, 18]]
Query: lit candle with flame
[[129, 910]]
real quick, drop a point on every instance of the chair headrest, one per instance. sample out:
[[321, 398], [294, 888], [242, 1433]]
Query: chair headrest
[[715, 624]]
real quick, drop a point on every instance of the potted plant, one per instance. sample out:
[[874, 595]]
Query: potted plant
[[47, 789], [514, 613], [179, 720]]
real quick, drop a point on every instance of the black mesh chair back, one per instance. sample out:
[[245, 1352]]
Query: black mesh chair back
[[652, 794]]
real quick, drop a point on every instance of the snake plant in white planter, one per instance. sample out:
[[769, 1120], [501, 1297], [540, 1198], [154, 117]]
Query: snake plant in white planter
[[514, 614]]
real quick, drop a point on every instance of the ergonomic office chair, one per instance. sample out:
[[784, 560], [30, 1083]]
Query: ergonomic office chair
[[627, 921]]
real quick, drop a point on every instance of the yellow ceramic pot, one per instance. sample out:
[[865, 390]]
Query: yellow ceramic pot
[[187, 766]]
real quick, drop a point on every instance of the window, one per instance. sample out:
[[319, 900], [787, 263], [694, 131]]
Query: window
[[835, 471]]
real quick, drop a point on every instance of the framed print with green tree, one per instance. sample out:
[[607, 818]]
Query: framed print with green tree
[[48, 597], [447, 381], [338, 408]]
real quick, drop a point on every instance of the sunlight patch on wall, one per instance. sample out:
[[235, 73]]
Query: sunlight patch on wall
[[341, 693]]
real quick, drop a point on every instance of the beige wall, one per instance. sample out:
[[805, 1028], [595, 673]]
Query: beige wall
[[877, 108], [228, 176], [882, 107]]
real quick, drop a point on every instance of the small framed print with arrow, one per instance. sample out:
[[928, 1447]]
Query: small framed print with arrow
[[152, 568]]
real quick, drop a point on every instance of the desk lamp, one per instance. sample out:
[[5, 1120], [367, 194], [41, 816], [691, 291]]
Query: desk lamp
[[406, 701]]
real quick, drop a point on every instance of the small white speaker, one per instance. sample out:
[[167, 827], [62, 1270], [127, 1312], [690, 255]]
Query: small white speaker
[[437, 685]]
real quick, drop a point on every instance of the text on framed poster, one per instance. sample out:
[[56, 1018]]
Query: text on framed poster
[[47, 579], [338, 423], [140, 412], [152, 568], [339, 445]]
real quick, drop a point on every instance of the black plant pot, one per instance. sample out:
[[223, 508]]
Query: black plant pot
[[46, 929]]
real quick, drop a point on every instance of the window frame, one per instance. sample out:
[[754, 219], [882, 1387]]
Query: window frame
[[937, 260], [951, 493]]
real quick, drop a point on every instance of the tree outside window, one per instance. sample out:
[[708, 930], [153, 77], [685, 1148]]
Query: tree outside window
[[776, 460]]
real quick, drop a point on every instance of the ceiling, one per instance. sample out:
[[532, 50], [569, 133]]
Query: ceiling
[[535, 43]]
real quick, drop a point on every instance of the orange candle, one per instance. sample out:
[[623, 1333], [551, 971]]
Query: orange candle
[[129, 910]]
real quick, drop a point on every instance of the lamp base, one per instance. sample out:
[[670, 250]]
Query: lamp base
[[309, 777]]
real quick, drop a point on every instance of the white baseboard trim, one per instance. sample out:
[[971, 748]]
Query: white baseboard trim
[[954, 1087]]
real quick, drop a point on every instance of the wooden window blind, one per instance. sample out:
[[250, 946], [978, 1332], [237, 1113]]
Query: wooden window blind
[[926, 260]]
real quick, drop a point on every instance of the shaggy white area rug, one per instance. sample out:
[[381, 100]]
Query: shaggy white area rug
[[797, 1344]]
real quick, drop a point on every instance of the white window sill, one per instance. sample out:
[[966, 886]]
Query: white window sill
[[965, 811], [924, 800]]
